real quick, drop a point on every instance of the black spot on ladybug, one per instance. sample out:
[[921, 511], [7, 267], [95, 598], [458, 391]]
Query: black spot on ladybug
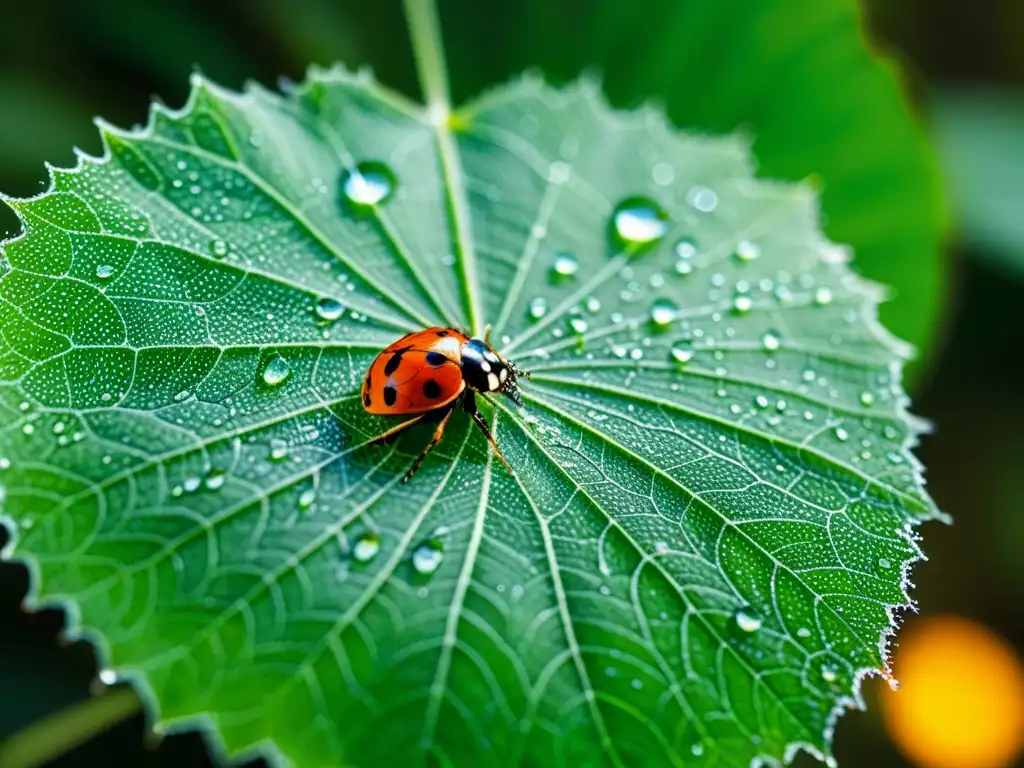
[[431, 389], [436, 359], [390, 395], [395, 360], [442, 333], [366, 399]]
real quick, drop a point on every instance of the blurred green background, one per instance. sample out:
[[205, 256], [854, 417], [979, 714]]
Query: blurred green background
[[793, 77]]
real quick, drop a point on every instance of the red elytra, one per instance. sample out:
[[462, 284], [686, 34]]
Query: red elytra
[[428, 373]]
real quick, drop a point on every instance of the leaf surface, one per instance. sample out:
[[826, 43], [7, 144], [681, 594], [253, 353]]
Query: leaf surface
[[709, 522]]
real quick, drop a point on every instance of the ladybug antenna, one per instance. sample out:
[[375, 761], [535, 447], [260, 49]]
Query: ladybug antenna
[[487, 334]]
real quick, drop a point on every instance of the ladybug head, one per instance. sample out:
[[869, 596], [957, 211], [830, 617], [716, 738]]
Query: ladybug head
[[485, 371]]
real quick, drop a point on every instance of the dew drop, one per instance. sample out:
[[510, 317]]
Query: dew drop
[[426, 558], [219, 248], [328, 309], [742, 304], [828, 674], [823, 296], [538, 308], [578, 324], [565, 264], [107, 676], [215, 479], [366, 547], [370, 183], [803, 632], [747, 621], [682, 354], [593, 305], [663, 312], [883, 563], [867, 399], [639, 221], [306, 498], [697, 750], [683, 267], [663, 174], [747, 251], [275, 372], [104, 271], [686, 248], [278, 449], [703, 199], [841, 434], [771, 341]]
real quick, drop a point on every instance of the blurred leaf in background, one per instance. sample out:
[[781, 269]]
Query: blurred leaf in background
[[980, 136], [797, 76]]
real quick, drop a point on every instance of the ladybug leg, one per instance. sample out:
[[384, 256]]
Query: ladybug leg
[[385, 436], [438, 433], [471, 409]]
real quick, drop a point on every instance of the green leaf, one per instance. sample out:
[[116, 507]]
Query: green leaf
[[708, 528], [799, 77], [979, 135]]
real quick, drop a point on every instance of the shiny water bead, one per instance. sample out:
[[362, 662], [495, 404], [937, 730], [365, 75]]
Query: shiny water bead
[[427, 557], [639, 221], [275, 371], [565, 264], [368, 184], [328, 309]]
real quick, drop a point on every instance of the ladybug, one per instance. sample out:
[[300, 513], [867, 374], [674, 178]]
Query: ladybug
[[428, 374]]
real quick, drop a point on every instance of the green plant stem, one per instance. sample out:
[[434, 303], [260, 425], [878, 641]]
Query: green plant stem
[[425, 31], [62, 731], [428, 50]]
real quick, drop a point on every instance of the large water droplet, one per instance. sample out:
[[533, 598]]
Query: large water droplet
[[219, 248], [771, 341], [747, 621], [427, 557], [639, 221], [565, 264], [104, 271], [366, 547], [663, 312], [579, 325], [369, 183], [328, 309], [275, 371]]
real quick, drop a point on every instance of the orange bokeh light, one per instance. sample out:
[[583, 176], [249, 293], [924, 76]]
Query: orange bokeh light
[[961, 698]]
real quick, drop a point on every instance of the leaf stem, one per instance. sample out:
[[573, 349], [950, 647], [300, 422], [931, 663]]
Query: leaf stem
[[428, 50], [62, 731]]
